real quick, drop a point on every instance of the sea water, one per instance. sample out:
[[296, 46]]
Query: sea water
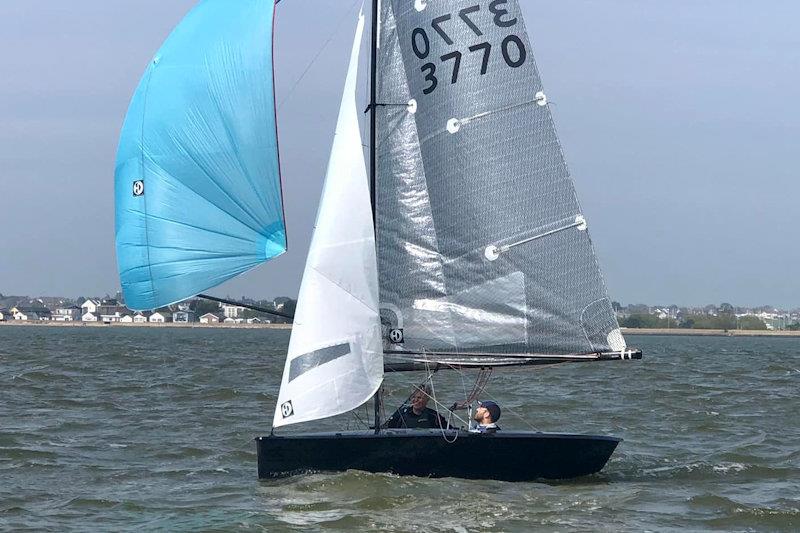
[[153, 428]]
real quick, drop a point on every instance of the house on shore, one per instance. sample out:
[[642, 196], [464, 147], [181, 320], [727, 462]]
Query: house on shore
[[183, 316], [90, 306], [112, 308], [89, 317], [141, 317], [160, 317], [126, 319], [31, 313], [210, 318], [70, 313], [111, 318]]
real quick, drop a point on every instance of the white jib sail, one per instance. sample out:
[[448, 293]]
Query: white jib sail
[[335, 358]]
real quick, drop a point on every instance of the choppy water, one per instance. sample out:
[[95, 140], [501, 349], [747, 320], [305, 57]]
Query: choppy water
[[145, 428]]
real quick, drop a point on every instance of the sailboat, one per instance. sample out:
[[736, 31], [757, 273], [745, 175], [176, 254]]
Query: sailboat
[[457, 244]]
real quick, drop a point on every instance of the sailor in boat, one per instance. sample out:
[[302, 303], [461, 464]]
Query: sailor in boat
[[486, 416], [417, 415]]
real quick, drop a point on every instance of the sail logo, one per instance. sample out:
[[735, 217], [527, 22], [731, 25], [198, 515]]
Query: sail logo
[[396, 336], [138, 187], [286, 409]]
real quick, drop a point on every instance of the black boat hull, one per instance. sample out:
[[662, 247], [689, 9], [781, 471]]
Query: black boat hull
[[505, 455]]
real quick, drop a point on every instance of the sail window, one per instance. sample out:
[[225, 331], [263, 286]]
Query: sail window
[[311, 360]]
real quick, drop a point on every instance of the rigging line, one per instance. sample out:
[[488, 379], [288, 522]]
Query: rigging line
[[433, 393], [512, 412], [493, 398], [415, 388], [358, 418], [379, 104], [431, 397], [464, 388], [318, 54]]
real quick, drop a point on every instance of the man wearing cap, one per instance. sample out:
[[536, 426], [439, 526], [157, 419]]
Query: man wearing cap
[[486, 416]]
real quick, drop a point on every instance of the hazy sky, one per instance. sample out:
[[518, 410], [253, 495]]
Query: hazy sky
[[679, 121]]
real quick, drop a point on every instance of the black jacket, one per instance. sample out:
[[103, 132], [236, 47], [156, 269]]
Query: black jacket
[[405, 418]]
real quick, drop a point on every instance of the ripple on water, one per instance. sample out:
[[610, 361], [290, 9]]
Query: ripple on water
[[149, 428]]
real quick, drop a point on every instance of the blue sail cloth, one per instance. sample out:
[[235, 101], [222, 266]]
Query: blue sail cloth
[[198, 192]]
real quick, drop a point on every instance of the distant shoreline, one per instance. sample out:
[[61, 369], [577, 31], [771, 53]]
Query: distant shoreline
[[76, 324], [677, 332], [709, 332]]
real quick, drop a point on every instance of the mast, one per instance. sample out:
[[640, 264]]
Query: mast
[[373, 99], [373, 120]]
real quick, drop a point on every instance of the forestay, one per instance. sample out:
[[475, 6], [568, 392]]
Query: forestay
[[335, 358], [198, 195], [482, 245]]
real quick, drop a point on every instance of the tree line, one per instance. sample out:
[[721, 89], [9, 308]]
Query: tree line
[[723, 321]]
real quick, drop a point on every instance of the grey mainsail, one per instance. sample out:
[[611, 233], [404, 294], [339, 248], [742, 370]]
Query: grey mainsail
[[482, 245]]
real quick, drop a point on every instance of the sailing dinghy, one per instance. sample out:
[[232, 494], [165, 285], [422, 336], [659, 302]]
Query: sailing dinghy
[[460, 245]]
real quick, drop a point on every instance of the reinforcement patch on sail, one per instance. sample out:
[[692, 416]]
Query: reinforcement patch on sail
[[493, 312], [473, 191], [198, 194]]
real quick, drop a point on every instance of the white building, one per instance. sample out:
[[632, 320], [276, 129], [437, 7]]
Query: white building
[[209, 318], [30, 313], [108, 319], [90, 306], [72, 313], [89, 317], [158, 318], [141, 318], [232, 311], [183, 317], [127, 319]]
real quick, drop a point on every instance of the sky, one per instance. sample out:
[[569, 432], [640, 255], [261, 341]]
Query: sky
[[679, 122]]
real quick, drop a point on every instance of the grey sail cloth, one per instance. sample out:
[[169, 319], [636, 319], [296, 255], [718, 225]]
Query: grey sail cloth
[[475, 162]]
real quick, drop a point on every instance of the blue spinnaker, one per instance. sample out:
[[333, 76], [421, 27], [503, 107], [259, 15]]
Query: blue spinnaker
[[198, 192]]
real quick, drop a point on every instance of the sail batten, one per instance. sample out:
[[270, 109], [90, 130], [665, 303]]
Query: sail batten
[[198, 192]]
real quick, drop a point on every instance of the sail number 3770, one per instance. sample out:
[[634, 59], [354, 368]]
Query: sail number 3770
[[512, 47]]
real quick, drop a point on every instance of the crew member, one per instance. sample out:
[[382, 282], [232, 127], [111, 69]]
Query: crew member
[[417, 415], [486, 416]]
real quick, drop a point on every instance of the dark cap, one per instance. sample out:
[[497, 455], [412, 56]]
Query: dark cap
[[493, 409]]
